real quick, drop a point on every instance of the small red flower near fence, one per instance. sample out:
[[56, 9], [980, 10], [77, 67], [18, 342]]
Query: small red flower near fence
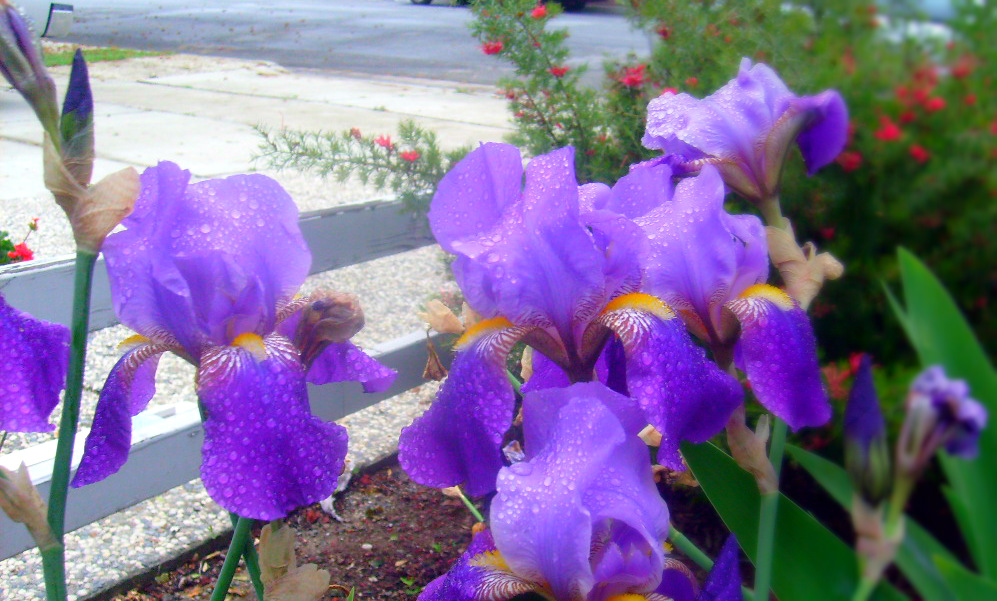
[[633, 77], [888, 130], [539, 11], [919, 154], [384, 142], [559, 71], [410, 155], [21, 252], [850, 160], [492, 47]]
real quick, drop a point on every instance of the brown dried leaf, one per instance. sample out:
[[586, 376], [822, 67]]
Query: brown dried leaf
[[441, 318], [282, 579]]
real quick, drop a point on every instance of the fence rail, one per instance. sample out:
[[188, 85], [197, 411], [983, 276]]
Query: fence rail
[[166, 441]]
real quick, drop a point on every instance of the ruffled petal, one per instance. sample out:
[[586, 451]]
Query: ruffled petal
[[683, 394], [699, 253], [345, 362], [264, 453], [824, 139], [205, 261], [126, 393], [586, 484], [459, 438], [33, 359], [778, 352]]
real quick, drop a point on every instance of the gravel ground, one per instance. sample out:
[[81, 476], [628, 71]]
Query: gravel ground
[[105, 552]]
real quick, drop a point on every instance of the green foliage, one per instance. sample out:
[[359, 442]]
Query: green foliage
[[805, 551], [409, 167]]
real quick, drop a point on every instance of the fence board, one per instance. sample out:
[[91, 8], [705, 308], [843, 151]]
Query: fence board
[[166, 446], [337, 237]]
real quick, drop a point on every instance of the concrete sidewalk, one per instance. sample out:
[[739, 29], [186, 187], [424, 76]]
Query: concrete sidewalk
[[200, 113]]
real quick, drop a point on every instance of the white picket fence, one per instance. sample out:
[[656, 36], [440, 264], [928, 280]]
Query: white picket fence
[[166, 441]]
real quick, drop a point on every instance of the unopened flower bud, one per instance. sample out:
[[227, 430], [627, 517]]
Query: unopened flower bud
[[20, 500], [866, 455], [22, 66], [329, 317], [940, 413]]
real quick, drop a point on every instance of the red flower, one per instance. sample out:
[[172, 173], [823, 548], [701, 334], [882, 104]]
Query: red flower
[[492, 47], [559, 71], [669, 91], [664, 32], [33, 225], [919, 154], [633, 77], [888, 130], [970, 99], [539, 11], [934, 103], [384, 142], [355, 133], [963, 67], [21, 252], [849, 160], [410, 155], [993, 128], [907, 116], [692, 82]]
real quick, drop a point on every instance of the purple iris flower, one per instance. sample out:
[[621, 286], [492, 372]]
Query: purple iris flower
[[580, 519], [546, 264], [940, 413], [746, 129], [34, 355], [209, 271], [711, 268]]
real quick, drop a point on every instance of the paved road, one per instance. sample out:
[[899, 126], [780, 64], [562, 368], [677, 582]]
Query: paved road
[[392, 37]]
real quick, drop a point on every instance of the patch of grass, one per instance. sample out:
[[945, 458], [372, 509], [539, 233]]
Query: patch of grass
[[95, 55]]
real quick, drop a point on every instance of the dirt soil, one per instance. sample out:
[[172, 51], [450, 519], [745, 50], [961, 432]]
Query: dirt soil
[[395, 537]]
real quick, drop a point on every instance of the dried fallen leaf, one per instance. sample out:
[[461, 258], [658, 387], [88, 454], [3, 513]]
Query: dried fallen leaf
[[283, 579]]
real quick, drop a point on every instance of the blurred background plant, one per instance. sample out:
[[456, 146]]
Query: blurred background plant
[[918, 168], [11, 252]]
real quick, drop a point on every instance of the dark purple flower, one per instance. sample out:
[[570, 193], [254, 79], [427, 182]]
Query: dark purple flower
[[209, 271], [724, 580], [559, 268], [940, 413], [580, 518], [711, 268], [746, 128], [866, 455], [33, 359], [21, 65]]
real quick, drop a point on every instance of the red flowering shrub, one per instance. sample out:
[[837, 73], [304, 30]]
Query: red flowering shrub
[[15, 253]]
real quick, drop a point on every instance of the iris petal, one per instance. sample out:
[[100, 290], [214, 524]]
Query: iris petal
[[459, 438], [33, 359], [778, 352], [128, 389], [683, 394], [264, 453]]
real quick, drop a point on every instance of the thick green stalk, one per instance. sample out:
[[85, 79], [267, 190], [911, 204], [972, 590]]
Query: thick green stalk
[[767, 513], [240, 536], [53, 559], [252, 560]]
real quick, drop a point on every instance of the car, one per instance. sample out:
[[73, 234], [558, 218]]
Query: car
[[46, 19]]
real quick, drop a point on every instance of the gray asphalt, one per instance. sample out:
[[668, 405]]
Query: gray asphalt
[[390, 37]]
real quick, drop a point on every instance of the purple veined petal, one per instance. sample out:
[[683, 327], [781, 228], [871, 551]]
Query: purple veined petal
[[127, 391], [345, 362], [181, 236], [678, 583], [588, 485], [546, 374], [459, 438], [825, 137], [264, 453], [700, 253], [724, 580], [478, 575], [33, 359], [472, 198], [778, 352], [683, 394]]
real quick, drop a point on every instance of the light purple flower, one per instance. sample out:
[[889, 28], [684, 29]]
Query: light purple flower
[[940, 413], [560, 269], [580, 519], [209, 271], [711, 268], [33, 359], [746, 128]]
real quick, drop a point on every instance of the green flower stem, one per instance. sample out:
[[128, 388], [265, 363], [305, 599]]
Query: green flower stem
[[53, 559], [516, 384], [470, 506], [252, 560], [240, 537], [767, 513], [864, 589], [690, 549]]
